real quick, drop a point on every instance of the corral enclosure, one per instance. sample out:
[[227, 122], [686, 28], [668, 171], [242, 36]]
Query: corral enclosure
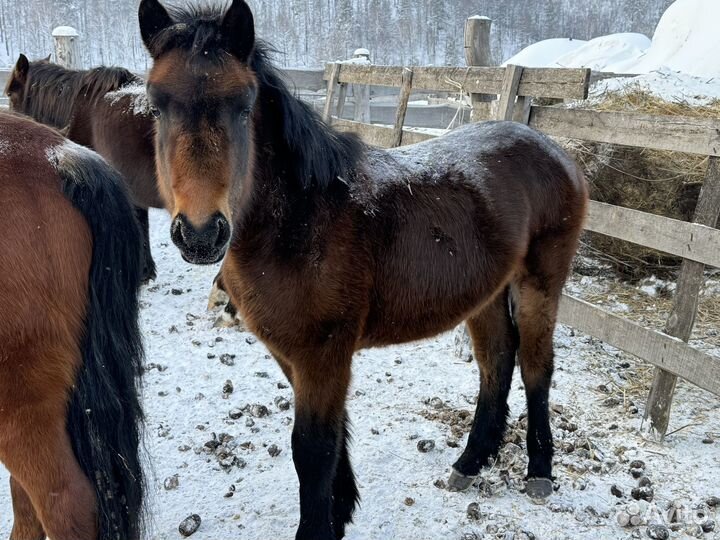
[[598, 401]]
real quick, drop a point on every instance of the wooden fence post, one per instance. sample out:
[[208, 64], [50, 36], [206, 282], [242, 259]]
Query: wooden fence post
[[361, 92], [66, 47], [478, 54], [506, 107], [331, 85], [342, 97], [682, 317], [405, 90]]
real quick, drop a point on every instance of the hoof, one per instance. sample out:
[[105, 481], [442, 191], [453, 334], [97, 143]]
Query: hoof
[[459, 482], [225, 320], [148, 275], [217, 297], [539, 489]]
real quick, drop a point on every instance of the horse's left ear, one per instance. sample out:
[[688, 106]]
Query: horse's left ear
[[47, 58], [238, 29], [22, 66]]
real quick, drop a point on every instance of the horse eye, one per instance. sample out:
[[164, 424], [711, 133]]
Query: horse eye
[[245, 113], [155, 112]]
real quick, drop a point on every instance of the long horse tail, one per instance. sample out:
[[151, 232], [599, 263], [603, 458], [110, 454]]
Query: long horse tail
[[105, 417]]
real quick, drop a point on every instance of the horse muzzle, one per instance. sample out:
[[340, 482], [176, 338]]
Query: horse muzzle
[[204, 245]]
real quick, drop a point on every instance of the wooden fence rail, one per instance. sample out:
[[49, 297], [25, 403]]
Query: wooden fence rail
[[697, 243]]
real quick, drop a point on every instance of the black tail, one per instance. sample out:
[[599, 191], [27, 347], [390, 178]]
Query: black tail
[[105, 417]]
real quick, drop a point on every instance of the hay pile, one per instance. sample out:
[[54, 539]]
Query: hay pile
[[657, 182]]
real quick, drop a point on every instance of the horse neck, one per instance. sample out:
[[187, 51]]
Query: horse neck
[[46, 104]]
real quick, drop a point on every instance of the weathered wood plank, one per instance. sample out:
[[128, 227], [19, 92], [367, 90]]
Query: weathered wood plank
[[509, 92], [329, 97], [537, 82], [380, 135], [666, 352], [685, 306], [683, 134], [522, 109], [402, 107], [342, 97], [692, 241]]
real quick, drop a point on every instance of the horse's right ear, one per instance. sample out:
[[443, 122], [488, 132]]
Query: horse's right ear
[[154, 18], [22, 66]]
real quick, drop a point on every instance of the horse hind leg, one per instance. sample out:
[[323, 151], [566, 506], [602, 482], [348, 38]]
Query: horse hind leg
[[149, 270], [36, 448], [495, 343], [537, 293], [26, 525], [61, 494], [218, 296]]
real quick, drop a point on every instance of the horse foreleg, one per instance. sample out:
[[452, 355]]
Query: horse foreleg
[[318, 440], [26, 525]]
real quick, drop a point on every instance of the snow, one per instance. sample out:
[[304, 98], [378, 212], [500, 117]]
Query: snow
[[361, 61], [601, 53], [65, 31], [545, 53], [391, 406], [69, 153], [686, 40], [136, 94], [668, 85]]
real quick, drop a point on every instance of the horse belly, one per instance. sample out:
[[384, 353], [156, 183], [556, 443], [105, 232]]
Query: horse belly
[[431, 282]]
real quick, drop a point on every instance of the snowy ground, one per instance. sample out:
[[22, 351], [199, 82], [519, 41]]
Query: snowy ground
[[400, 396]]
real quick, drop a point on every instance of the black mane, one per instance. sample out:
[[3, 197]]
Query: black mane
[[52, 90], [315, 155]]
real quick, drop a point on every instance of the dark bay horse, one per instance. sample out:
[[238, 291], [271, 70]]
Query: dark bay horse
[[331, 246], [70, 356], [104, 109]]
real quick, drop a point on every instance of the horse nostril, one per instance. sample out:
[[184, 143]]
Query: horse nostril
[[223, 232], [177, 232]]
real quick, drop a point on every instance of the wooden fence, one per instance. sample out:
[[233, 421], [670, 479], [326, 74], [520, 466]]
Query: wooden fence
[[698, 243]]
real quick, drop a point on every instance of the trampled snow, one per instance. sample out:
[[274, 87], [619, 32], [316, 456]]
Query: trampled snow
[[395, 396]]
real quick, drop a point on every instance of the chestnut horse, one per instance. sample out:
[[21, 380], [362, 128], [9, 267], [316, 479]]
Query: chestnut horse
[[104, 109], [331, 246], [70, 356]]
